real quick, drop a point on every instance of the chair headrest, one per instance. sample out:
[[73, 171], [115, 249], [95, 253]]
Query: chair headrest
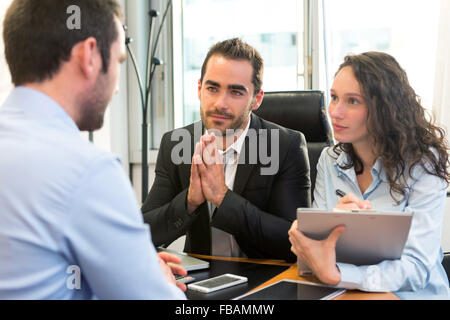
[[303, 111]]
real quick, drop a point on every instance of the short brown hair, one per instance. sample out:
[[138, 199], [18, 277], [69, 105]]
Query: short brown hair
[[236, 49], [37, 38]]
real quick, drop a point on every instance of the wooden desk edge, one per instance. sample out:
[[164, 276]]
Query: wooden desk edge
[[260, 261]]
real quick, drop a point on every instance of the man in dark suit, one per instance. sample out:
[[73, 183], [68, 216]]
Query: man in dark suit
[[232, 182]]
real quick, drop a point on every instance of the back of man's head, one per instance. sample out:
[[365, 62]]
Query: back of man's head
[[39, 35]]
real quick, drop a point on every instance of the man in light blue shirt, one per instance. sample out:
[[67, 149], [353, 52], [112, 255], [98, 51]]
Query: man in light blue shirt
[[70, 227]]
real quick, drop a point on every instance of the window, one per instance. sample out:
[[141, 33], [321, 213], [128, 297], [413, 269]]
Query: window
[[406, 29], [274, 30]]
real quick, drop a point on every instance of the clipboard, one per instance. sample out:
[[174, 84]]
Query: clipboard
[[369, 238]]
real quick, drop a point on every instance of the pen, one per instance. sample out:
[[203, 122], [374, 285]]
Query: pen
[[340, 193]]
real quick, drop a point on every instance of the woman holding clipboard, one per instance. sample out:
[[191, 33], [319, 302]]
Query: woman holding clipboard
[[389, 157]]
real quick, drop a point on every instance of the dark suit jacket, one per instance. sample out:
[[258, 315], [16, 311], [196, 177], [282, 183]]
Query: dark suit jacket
[[258, 212]]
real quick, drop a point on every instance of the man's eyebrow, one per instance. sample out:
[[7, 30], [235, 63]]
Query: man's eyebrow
[[231, 86], [212, 83], [237, 87]]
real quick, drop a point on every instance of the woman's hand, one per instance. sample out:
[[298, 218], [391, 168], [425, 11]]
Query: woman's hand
[[320, 256], [351, 201]]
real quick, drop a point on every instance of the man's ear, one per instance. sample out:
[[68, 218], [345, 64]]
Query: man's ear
[[258, 100], [199, 88], [87, 56]]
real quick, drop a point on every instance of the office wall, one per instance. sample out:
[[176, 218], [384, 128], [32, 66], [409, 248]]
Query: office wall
[[113, 135], [136, 178]]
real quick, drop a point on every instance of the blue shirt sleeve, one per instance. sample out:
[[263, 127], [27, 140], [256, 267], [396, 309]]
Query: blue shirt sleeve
[[413, 271], [106, 236]]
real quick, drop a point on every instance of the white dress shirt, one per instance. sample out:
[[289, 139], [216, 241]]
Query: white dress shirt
[[223, 243]]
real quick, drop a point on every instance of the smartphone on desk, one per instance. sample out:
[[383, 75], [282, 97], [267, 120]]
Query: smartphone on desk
[[217, 283]]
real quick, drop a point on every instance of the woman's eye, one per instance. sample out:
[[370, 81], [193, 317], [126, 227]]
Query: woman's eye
[[353, 101], [333, 98]]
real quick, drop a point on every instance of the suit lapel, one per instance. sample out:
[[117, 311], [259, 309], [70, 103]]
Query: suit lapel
[[195, 132]]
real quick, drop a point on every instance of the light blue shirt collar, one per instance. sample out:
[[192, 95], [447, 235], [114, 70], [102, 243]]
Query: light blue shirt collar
[[38, 105], [377, 171], [343, 159]]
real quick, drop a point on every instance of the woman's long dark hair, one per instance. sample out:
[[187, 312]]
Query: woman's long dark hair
[[403, 137]]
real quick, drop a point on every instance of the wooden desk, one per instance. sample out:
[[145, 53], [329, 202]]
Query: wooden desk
[[292, 273]]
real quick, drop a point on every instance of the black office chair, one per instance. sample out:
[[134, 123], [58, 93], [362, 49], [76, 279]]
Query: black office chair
[[446, 264], [303, 111]]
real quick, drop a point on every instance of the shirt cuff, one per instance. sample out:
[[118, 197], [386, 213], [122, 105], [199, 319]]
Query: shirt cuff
[[351, 276]]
